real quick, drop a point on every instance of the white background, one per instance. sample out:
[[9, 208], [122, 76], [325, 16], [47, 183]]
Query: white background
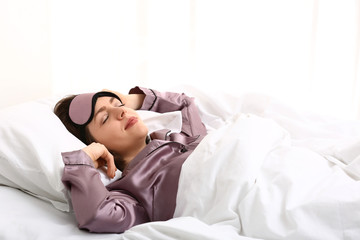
[[304, 52]]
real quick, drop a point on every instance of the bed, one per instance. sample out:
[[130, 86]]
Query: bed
[[265, 171]]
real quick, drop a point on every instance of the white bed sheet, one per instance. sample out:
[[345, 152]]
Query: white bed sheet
[[265, 171], [25, 217]]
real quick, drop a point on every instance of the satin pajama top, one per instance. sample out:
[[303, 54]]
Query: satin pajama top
[[148, 187]]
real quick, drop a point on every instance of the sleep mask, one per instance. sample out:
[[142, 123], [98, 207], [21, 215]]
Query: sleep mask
[[81, 109]]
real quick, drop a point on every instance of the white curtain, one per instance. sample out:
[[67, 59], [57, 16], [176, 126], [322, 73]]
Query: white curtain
[[305, 52]]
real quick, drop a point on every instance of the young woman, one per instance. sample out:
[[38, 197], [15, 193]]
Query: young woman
[[116, 136]]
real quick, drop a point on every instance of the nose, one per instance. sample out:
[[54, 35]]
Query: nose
[[119, 112]]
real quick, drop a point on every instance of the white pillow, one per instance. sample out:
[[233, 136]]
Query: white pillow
[[32, 139]]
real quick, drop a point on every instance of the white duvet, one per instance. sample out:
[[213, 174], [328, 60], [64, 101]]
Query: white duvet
[[249, 175]]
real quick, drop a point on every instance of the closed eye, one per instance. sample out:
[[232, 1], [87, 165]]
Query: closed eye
[[106, 116]]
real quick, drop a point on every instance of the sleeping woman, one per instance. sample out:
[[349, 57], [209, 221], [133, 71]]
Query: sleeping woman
[[116, 137]]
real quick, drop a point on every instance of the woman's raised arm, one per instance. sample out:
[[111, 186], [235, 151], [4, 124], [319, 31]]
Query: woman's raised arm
[[133, 101]]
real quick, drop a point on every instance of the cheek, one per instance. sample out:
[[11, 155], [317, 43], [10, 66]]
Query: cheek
[[143, 128], [102, 135], [111, 139]]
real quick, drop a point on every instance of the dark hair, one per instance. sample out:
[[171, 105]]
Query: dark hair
[[61, 110]]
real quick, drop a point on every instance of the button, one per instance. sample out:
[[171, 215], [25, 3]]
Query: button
[[183, 149]]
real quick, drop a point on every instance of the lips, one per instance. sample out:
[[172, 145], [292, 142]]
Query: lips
[[131, 122]]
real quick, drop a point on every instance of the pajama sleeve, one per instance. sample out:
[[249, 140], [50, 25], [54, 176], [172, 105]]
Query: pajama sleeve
[[167, 102], [97, 209]]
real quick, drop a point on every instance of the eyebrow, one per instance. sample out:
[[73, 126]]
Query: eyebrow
[[103, 108]]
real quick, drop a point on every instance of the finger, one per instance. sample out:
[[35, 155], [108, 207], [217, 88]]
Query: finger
[[100, 163], [109, 158]]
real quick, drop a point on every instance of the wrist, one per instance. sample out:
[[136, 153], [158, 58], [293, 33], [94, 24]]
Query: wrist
[[135, 101]]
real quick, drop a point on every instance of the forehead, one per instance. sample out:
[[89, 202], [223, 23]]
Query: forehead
[[103, 101]]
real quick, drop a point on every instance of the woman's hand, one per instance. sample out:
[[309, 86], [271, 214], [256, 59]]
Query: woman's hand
[[133, 101], [101, 157]]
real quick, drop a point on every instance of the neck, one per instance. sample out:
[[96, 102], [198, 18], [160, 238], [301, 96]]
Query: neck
[[130, 155]]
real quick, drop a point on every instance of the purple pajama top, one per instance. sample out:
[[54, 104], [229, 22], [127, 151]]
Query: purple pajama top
[[148, 187]]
